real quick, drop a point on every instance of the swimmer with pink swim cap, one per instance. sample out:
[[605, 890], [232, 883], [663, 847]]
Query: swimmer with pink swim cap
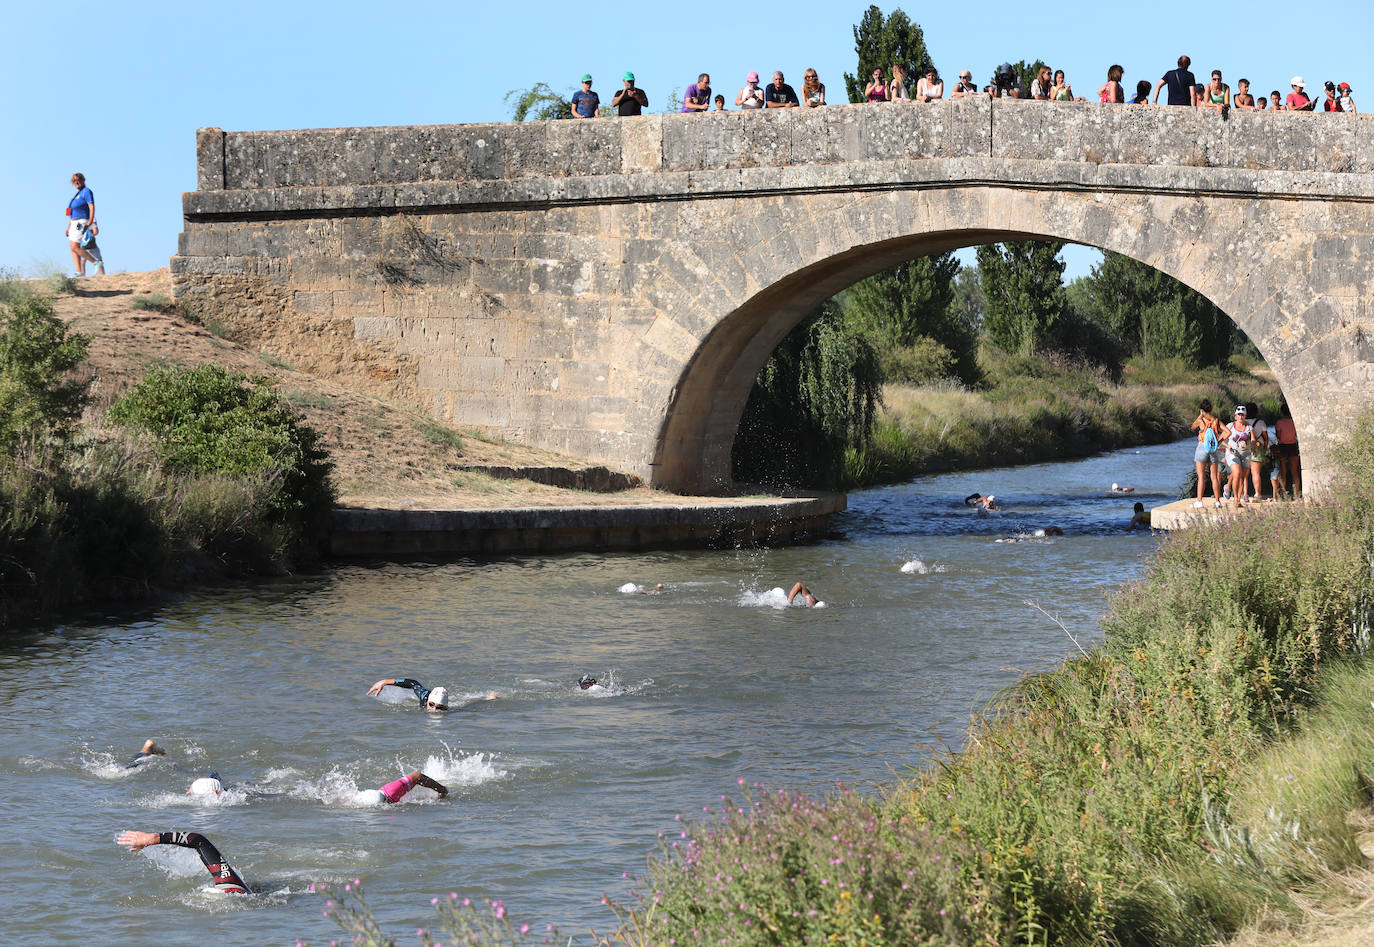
[[396, 789]]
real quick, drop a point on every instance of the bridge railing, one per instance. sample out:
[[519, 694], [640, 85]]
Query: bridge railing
[[980, 127]]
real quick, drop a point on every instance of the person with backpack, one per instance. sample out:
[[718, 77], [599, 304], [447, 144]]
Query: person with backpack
[[1207, 455]]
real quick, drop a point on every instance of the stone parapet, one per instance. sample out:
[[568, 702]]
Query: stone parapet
[[1075, 132]]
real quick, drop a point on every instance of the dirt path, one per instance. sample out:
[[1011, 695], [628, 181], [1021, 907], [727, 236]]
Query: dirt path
[[386, 455]]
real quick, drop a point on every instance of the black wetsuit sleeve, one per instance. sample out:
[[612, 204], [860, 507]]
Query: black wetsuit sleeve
[[226, 878], [421, 691]]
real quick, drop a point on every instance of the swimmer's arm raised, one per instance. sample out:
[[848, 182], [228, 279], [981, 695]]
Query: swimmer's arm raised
[[376, 689], [423, 780], [136, 841]]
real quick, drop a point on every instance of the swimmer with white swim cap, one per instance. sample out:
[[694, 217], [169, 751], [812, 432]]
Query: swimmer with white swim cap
[[430, 699], [210, 785], [807, 598], [397, 788], [227, 880]]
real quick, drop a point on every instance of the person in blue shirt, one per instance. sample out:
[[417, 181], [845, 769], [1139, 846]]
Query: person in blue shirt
[[81, 210], [585, 102]]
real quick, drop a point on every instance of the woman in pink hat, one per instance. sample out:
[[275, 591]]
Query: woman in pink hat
[[751, 96]]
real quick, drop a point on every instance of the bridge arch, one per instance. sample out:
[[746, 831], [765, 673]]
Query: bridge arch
[[699, 428]]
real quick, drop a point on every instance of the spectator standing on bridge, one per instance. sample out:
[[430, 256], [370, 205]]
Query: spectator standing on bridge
[[1041, 85], [1261, 104], [1218, 94], [720, 104], [780, 95], [1111, 91], [751, 96], [930, 86], [813, 90], [1142, 93], [698, 96], [1332, 102], [897, 90], [1181, 84], [1297, 100], [1061, 91], [876, 91], [585, 102], [1007, 83], [630, 100], [1347, 100], [1243, 99], [964, 86], [1276, 102]]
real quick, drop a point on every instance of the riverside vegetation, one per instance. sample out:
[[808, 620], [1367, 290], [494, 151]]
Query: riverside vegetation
[[1192, 775], [194, 474]]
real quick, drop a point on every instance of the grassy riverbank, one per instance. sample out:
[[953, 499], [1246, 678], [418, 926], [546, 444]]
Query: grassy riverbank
[[1035, 409], [1189, 776]]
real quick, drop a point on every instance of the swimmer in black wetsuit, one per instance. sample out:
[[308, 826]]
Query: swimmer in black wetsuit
[[227, 880], [586, 681], [435, 699], [150, 749]]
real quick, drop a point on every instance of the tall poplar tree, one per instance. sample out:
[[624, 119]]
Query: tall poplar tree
[[881, 41], [1023, 284]]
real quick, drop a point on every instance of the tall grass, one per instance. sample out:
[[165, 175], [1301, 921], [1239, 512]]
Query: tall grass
[[1037, 409]]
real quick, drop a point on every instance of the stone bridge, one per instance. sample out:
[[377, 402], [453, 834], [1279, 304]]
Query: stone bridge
[[611, 288]]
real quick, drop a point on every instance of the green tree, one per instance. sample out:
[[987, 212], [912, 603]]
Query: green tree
[[912, 302], [40, 401], [816, 396], [1153, 315], [1023, 284], [538, 102], [881, 41]]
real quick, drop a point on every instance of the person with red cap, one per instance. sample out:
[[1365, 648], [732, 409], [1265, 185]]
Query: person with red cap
[[1346, 99]]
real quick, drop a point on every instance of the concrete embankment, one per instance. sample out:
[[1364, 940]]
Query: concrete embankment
[[695, 522]]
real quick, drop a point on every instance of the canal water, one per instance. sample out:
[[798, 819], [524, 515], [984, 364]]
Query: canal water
[[557, 794]]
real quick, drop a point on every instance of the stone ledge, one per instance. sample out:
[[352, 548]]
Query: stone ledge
[[375, 532], [453, 196]]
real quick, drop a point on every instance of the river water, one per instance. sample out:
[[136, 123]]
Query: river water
[[556, 793]]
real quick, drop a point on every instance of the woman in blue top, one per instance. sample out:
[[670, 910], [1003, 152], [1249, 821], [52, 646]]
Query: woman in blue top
[[81, 210]]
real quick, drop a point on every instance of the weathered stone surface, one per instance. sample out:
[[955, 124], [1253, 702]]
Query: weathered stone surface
[[611, 288]]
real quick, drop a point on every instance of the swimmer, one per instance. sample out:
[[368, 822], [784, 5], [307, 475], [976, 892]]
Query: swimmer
[[150, 749], [395, 790], [227, 880], [981, 503], [1139, 517], [586, 681], [1117, 488], [436, 699], [210, 785], [808, 599], [1053, 531], [653, 591]]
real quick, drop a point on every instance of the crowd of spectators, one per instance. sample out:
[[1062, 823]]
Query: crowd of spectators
[[1180, 86]]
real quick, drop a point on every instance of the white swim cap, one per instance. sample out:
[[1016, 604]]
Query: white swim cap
[[438, 696], [1114, 486], [206, 786], [370, 797]]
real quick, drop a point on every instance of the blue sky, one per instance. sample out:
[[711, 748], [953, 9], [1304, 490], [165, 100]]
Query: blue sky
[[147, 75]]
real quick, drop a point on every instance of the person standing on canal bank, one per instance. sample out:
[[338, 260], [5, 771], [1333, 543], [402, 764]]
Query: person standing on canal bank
[[1207, 455], [81, 210], [1289, 463], [227, 880]]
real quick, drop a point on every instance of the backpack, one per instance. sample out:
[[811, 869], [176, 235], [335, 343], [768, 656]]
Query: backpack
[[1209, 440]]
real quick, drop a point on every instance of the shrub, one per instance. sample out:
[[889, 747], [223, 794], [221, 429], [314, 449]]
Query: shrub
[[40, 403], [208, 421], [156, 302]]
